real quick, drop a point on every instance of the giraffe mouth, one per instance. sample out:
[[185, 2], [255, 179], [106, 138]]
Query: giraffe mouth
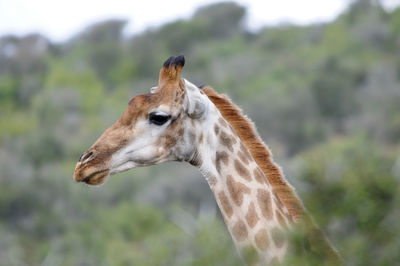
[[96, 178]]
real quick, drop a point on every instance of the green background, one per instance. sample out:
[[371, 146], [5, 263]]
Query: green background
[[324, 97]]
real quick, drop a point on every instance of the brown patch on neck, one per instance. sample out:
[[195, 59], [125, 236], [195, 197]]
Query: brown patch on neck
[[226, 206], [242, 171], [251, 216], [262, 240], [216, 129], [236, 190], [220, 157], [239, 231], [264, 201], [227, 140]]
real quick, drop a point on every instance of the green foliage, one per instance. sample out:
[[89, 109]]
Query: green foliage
[[84, 81], [336, 93], [7, 89], [324, 97], [354, 183], [222, 19]]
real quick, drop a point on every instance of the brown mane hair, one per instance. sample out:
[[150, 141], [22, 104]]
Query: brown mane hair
[[262, 155]]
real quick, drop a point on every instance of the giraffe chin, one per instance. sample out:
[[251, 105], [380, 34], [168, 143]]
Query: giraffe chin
[[97, 178]]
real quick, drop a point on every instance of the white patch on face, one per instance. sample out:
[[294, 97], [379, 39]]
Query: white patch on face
[[142, 150], [162, 109]]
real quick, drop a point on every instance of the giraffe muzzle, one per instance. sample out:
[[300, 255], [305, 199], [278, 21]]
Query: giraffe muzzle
[[89, 176], [89, 171]]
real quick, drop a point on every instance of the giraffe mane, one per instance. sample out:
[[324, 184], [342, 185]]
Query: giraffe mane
[[247, 132]]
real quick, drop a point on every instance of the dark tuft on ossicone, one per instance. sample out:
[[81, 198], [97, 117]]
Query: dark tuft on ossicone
[[175, 61]]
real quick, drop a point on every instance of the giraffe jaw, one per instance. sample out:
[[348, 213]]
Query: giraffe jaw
[[123, 167], [97, 178]]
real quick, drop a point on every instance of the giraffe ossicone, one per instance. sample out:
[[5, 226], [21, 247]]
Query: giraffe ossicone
[[177, 121]]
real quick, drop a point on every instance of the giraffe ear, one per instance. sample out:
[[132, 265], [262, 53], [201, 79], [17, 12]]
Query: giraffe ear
[[170, 73], [194, 103]]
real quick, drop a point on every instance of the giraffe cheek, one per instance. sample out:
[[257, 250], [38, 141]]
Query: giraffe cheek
[[160, 151]]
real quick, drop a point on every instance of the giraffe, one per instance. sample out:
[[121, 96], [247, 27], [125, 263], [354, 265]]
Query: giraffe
[[178, 121]]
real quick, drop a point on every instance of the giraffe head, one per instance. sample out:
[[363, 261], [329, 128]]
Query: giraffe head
[[154, 128]]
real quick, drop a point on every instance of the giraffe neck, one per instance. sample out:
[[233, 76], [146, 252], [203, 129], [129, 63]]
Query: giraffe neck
[[254, 215]]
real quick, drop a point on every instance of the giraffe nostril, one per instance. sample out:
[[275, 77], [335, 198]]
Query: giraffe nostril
[[85, 156]]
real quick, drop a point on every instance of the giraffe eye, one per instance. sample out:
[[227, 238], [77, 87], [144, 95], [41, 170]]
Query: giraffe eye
[[158, 118]]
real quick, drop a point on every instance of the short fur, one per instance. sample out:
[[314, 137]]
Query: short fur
[[262, 155]]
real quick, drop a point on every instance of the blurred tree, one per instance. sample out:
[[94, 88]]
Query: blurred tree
[[8, 87], [101, 45], [342, 175], [109, 31], [24, 61], [335, 90], [222, 19]]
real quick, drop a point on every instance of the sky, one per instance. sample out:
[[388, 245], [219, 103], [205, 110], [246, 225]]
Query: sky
[[59, 20]]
